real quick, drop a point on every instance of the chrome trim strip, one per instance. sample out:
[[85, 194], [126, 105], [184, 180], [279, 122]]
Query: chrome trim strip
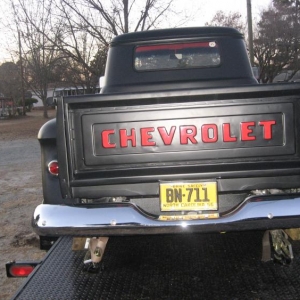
[[127, 218]]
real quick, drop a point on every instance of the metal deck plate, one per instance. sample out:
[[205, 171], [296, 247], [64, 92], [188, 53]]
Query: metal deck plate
[[198, 266]]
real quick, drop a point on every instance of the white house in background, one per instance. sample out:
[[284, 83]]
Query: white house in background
[[40, 102]]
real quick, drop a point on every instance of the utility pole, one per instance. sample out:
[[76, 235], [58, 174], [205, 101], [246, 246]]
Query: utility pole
[[22, 75], [297, 35], [250, 32]]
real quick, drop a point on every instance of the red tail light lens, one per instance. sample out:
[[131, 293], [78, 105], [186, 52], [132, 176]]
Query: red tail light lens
[[53, 167], [20, 270]]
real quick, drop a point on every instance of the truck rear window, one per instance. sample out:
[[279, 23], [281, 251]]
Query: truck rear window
[[177, 56]]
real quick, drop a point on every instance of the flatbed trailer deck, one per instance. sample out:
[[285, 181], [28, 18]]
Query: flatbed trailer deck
[[198, 266]]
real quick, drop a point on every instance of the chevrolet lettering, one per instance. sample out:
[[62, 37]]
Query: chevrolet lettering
[[187, 134]]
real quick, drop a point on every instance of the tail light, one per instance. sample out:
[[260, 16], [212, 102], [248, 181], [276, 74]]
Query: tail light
[[20, 269], [53, 167]]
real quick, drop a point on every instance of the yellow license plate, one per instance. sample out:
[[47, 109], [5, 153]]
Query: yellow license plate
[[192, 196]]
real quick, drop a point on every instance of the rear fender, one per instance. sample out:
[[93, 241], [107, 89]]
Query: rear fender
[[51, 187]]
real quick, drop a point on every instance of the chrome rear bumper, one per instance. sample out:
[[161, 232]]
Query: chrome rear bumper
[[256, 212]]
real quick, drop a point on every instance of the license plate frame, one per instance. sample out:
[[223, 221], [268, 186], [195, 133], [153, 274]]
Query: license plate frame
[[188, 196]]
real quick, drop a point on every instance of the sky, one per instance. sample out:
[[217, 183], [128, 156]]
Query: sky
[[208, 8], [204, 10]]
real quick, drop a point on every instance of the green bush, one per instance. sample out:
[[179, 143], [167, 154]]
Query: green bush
[[28, 103]]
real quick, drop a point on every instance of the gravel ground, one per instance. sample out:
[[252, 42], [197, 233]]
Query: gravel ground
[[20, 193]]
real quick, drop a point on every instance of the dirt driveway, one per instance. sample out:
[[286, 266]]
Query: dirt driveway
[[20, 193]]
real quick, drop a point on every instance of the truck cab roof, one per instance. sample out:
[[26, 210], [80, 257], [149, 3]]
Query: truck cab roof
[[177, 58], [175, 33]]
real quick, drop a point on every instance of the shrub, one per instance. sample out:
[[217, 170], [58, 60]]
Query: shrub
[[28, 103]]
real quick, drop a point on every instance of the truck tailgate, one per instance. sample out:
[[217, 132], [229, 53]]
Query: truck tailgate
[[185, 134]]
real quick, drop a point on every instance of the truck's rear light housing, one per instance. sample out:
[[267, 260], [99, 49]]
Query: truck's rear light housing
[[53, 167], [20, 269]]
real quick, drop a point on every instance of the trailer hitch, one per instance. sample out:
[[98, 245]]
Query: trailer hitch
[[96, 248], [277, 247]]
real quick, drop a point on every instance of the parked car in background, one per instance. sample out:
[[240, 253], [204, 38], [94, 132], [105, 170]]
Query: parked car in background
[[296, 77], [284, 76]]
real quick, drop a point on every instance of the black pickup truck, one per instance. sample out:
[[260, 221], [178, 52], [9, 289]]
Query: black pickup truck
[[182, 138]]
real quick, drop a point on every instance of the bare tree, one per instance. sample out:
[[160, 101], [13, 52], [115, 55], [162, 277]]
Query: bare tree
[[98, 21], [34, 22], [78, 41], [276, 44], [104, 19], [87, 27], [10, 81], [75, 34], [233, 19]]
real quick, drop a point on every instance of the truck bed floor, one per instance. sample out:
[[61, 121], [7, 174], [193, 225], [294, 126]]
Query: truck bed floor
[[206, 266]]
